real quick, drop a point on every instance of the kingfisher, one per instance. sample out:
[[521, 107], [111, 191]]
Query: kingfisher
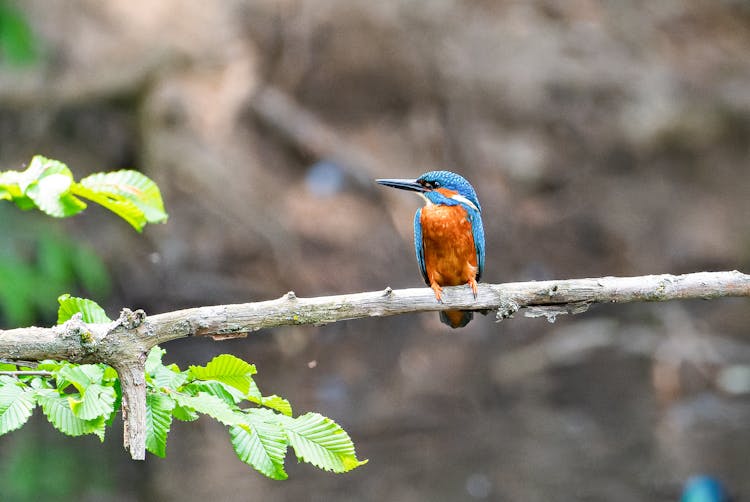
[[448, 235]]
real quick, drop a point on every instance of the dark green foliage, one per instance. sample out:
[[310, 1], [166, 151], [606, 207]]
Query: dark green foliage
[[37, 261], [18, 46]]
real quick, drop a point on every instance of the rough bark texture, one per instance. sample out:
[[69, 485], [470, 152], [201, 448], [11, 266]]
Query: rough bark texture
[[133, 382]]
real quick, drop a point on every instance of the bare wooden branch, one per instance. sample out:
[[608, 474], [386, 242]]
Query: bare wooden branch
[[125, 342]]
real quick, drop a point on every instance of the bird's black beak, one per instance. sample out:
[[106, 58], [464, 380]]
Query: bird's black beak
[[411, 185]]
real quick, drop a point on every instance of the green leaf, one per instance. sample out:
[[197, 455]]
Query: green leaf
[[10, 190], [274, 402], [96, 401], [115, 190], [158, 422], [122, 207], [50, 365], [153, 359], [71, 305], [227, 369], [253, 394], [16, 404], [57, 410], [110, 374], [261, 443], [277, 403], [184, 414], [159, 376], [48, 183], [167, 377], [210, 405], [80, 376], [39, 167], [228, 394], [321, 442]]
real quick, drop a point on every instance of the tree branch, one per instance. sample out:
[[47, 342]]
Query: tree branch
[[125, 342]]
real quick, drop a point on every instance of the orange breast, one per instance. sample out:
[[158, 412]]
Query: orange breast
[[449, 253]]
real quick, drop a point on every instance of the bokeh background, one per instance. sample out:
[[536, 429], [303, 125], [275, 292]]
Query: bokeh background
[[603, 137]]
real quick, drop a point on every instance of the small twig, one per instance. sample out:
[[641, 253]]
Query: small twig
[[27, 373], [18, 362]]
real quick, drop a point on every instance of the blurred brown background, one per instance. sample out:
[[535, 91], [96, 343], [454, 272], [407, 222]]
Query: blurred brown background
[[603, 138]]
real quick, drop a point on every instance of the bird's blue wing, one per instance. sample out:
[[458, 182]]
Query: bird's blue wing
[[419, 245], [477, 230]]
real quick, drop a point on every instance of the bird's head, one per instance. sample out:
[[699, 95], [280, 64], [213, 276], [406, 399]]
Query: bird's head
[[439, 187]]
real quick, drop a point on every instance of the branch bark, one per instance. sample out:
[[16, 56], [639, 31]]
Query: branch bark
[[125, 342]]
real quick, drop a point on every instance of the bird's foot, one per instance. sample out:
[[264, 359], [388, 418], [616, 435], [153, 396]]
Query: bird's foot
[[438, 291], [473, 284]]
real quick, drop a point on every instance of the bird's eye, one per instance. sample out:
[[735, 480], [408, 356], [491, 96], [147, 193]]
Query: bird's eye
[[435, 184]]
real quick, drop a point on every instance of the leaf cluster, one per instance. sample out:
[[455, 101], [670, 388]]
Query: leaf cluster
[[48, 185], [83, 399], [261, 428]]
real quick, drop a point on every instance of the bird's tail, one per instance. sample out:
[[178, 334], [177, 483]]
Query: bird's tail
[[456, 318]]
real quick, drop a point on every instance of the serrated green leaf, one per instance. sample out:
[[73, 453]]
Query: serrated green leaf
[[153, 358], [10, 190], [39, 167], [131, 186], [80, 376], [210, 405], [96, 401], [50, 365], [121, 206], [158, 422], [110, 374], [47, 183], [57, 410], [321, 441], [184, 414], [262, 443], [277, 403], [166, 377], [51, 194], [227, 369], [89, 309], [16, 404], [160, 376], [225, 392], [274, 402]]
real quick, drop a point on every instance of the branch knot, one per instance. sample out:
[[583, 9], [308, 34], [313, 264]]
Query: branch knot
[[129, 319]]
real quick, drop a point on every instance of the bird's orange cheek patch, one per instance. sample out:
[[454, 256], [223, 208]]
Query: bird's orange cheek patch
[[446, 192]]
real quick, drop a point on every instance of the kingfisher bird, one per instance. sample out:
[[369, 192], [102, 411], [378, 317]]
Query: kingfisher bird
[[448, 235]]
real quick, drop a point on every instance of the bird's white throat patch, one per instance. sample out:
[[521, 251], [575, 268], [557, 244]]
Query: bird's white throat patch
[[456, 197], [464, 200]]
